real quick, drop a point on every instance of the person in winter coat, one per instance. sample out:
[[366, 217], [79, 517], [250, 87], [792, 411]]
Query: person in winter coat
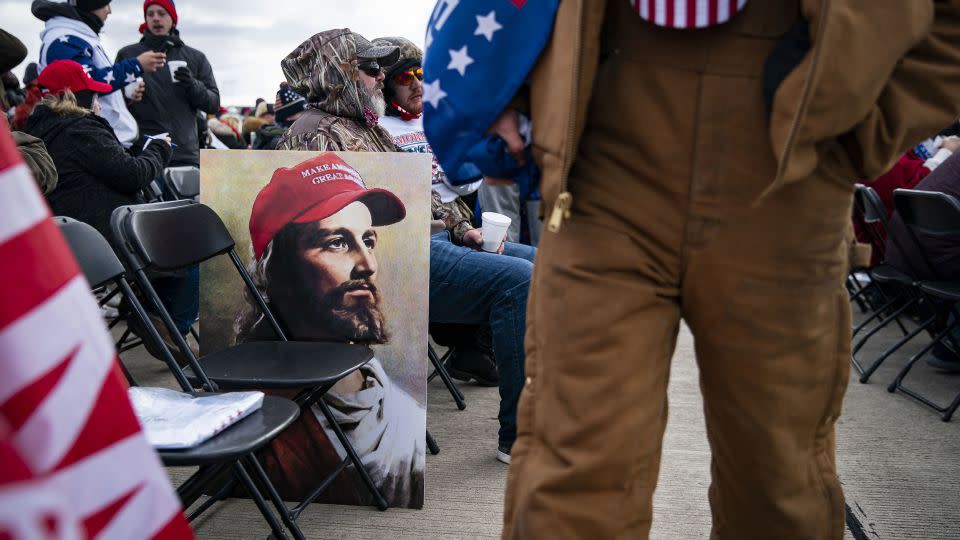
[[227, 130], [12, 52], [35, 155], [288, 106], [96, 174], [72, 32], [171, 100]]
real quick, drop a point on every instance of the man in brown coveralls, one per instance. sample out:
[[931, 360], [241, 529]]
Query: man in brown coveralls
[[676, 194]]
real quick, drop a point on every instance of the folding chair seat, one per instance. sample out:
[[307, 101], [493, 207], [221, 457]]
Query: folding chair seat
[[945, 290], [178, 234], [183, 182], [933, 214], [232, 448]]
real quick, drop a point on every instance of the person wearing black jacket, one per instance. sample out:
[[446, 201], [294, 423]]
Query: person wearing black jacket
[[172, 96], [96, 174]]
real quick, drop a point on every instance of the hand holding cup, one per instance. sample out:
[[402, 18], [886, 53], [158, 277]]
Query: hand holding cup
[[151, 61]]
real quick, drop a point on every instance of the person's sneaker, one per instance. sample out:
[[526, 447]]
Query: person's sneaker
[[503, 454], [109, 312], [470, 364], [942, 357]]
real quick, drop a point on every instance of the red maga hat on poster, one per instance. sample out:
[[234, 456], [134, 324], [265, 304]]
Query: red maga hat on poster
[[313, 190], [69, 75]]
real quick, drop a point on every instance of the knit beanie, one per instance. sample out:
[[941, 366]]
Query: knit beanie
[[168, 5], [88, 5], [288, 103]]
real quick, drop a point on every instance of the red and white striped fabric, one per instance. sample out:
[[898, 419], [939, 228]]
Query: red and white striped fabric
[[74, 463], [687, 13]]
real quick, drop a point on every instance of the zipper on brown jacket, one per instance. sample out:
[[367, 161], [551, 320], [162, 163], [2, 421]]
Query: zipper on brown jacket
[[564, 202]]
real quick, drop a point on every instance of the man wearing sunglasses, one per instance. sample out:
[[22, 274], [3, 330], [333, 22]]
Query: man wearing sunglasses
[[468, 286], [344, 97]]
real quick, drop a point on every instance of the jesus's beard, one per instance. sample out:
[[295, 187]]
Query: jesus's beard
[[333, 317]]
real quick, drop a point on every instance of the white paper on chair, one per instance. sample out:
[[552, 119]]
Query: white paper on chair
[[174, 419]]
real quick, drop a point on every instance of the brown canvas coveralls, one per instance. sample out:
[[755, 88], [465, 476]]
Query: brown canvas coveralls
[[669, 160]]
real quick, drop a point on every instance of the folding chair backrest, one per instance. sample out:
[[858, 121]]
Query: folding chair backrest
[[96, 258], [873, 209], [928, 212], [173, 235], [100, 265], [170, 236], [184, 182]]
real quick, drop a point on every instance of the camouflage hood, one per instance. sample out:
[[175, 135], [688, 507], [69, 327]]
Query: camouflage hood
[[324, 70]]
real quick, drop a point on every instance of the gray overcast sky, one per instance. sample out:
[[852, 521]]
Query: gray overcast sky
[[243, 39]]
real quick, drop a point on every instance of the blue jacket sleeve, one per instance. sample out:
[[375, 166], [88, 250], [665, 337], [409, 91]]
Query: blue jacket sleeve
[[73, 48]]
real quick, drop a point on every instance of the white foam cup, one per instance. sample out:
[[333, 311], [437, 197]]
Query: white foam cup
[[494, 230], [174, 66]]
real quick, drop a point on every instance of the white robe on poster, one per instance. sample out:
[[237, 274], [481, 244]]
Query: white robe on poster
[[387, 427]]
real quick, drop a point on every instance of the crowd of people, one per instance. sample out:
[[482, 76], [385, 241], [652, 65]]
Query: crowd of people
[[653, 239]]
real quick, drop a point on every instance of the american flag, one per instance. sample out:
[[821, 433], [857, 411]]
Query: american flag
[[74, 463], [478, 54], [687, 13]]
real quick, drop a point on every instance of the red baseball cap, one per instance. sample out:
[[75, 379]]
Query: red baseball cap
[[69, 75], [313, 190]]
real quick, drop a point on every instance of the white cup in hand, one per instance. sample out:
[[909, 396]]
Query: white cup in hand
[[131, 90], [174, 66], [494, 230]]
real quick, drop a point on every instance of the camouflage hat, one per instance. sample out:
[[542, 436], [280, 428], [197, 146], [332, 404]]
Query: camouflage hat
[[409, 52], [385, 55]]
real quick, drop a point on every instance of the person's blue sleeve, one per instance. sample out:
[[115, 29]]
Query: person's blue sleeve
[[73, 48]]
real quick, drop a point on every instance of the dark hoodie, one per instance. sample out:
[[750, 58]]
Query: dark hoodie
[[338, 114], [171, 107], [46, 10], [96, 174]]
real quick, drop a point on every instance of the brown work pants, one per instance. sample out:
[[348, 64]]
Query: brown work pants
[[664, 227]]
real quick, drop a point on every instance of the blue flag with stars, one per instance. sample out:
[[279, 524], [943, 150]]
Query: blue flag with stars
[[478, 55]]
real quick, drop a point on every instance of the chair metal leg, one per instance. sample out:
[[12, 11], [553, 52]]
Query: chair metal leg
[[192, 488], [432, 444], [952, 408], [878, 313], [857, 294], [381, 503], [447, 380], [266, 484], [295, 512], [259, 501], [866, 373], [947, 412]]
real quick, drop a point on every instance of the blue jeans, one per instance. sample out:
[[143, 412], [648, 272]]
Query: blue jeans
[[180, 294], [475, 287]]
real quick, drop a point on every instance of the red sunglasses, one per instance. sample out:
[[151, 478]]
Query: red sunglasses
[[405, 78]]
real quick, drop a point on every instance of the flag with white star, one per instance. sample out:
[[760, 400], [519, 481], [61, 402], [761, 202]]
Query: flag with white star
[[478, 55]]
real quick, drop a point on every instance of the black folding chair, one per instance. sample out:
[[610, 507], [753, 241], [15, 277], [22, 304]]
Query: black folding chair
[[231, 449], [174, 235], [932, 214], [183, 182], [874, 220]]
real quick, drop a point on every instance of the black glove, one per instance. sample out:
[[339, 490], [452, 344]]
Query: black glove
[[184, 76]]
